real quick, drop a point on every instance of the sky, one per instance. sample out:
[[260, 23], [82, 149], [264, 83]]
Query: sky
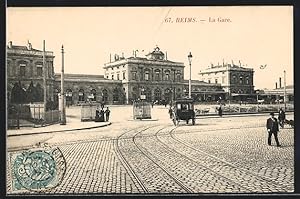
[[255, 35]]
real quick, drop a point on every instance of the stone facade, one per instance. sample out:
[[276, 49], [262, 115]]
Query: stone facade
[[233, 78], [80, 88], [152, 78], [25, 65]]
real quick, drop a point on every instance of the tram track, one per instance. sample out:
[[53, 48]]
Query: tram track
[[200, 179], [143, 151], [126, 164], [236, 166], [193, 160]]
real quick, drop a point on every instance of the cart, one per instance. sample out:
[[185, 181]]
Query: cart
[[183, 109]]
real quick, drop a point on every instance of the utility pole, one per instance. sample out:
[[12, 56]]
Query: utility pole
[[44, 79], [284, 97], [190, 79], [62, 94]]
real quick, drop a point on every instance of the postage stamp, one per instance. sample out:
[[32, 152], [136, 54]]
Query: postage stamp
[[37, 170]]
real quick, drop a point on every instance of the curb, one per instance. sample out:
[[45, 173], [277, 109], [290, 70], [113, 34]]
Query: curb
[[78, 129]]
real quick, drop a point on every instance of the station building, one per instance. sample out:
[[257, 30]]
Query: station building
[[153, 78], [234, 79]]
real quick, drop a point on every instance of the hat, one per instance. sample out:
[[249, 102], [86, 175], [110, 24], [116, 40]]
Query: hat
[[272, 114]]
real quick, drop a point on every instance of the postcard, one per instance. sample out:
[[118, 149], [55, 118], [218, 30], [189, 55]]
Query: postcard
[[150, 100]]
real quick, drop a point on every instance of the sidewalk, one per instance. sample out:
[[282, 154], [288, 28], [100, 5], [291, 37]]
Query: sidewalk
[[71, 125]]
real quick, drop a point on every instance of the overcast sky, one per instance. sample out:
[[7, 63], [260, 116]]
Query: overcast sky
[[254, 35]]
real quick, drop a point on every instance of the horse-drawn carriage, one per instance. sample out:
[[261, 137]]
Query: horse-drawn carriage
[[183, 109]]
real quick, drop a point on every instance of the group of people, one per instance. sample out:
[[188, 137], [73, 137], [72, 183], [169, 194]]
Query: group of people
[[273, 126], [102, 115]]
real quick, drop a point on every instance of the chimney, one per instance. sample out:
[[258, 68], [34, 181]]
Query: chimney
[[276, 85], [166, 55], [10, 44], [122, 55], [279, 82], [29, 46], [109, 57]]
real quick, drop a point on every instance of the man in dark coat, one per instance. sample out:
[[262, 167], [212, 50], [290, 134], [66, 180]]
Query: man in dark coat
[[281, 117], [107, 113], [273, 128]]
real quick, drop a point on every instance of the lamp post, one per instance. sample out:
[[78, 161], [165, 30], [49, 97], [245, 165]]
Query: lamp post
[[62, 94], [190, 79], [284, 97], [44, 80]]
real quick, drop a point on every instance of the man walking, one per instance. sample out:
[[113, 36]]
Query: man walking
[[107, 112], [281, 117], [273, 128]]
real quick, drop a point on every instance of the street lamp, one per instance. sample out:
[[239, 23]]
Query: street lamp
[[62, 94], [190, 56], [284, 96]]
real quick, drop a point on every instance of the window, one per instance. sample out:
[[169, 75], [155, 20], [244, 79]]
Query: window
[[209, 81], [115, 95], [178, 77], [81, 95], [167, 77], [123, 75], [39, 70], [22, 70], [216, 81], [112, 76], [147, 76], [241, 80], [107, 76], [134, 75], [118, 76], [247, 80], [157, 75], [234, 79]]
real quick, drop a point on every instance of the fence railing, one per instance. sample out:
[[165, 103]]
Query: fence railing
[[236, 108], [31, 115]]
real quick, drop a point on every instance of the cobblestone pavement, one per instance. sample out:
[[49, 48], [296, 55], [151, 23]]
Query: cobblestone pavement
[[221, 155]]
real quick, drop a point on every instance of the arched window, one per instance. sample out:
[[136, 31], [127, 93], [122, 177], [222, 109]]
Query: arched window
[[81, 95], [157, 94], [69, 96], [234, 79], [167, 75], [147, 76], [247, 80], [157, 75], [241, 79], [148, 95], [178, 77], [104, 95], [116, 95], [93, 94]]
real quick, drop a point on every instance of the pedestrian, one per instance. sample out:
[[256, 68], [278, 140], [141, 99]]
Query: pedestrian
[[272, 128], [107, 112], [97, 117], [281, 117], [170, 112], [101, 118], [220, 111]]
